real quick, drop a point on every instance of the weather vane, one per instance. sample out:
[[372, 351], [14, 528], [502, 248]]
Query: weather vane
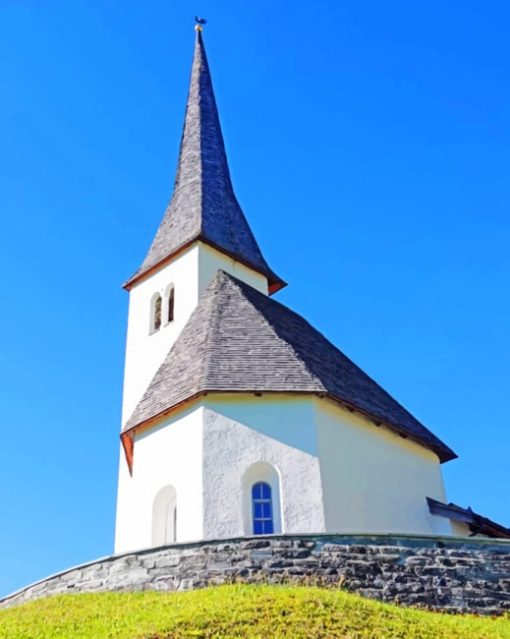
[[199, 23]]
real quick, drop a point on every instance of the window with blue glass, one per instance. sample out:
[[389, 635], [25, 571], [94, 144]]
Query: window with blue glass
[[262, 509]]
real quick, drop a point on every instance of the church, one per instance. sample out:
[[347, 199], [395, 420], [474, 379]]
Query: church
[[239, 418]]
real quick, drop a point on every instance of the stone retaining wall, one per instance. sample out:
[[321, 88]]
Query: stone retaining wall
[[443, 574]]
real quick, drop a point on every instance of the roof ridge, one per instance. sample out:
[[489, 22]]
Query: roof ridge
[[287, 345]]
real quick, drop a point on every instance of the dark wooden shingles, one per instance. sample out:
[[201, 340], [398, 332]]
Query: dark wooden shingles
[[238, 339], [203, 204]]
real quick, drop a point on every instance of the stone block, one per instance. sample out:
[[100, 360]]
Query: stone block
[[168, 561], [255, 543]]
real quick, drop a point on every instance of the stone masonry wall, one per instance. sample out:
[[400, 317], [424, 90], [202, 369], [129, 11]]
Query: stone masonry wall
[[454, 575]]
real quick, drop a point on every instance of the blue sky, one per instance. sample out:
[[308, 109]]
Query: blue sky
[[369, 146]]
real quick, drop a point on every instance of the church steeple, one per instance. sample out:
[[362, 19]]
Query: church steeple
[[203, 206], [216, 370]]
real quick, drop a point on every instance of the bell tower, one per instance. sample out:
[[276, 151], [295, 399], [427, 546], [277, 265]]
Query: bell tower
[[202, 230]]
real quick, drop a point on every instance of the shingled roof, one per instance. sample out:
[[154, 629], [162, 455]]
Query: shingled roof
[[477, 524], [238, 339], [203, 205]]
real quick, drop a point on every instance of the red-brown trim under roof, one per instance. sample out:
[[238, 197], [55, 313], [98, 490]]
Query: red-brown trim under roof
[[128, 444], [275, 283], [444, 455]]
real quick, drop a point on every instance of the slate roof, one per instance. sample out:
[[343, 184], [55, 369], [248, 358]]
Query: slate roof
[[238, 339], [203, 205]]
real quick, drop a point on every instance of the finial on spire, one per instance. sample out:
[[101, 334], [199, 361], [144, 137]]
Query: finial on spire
[[199, 23]]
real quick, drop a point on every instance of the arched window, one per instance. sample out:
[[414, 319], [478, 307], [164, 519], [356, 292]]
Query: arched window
[[157, 313], [261, 500], [170, 304], [262, 509], [156, 307], [164, 517]]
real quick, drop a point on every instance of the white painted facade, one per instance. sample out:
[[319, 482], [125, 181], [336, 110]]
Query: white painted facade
[[329, 471], [373, 479], [211, 456], [169, 455], [249, 439]]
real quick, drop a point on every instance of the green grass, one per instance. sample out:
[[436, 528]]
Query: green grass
[[236, 611]]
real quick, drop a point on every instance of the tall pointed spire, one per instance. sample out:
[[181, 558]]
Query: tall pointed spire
[[203, 205]]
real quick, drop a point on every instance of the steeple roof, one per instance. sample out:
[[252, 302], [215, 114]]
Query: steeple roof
[[239, 340], [203, 205]]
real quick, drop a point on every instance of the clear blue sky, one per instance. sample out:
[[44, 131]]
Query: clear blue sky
[[369, 145]]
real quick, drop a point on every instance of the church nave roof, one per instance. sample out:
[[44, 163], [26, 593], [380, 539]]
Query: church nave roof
[[239, 340]]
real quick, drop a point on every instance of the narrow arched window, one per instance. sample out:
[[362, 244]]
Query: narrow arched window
[[157, 313], [156, 307], [170, 302], [262, 509], [261, 500], [164, 517], [170, 523]]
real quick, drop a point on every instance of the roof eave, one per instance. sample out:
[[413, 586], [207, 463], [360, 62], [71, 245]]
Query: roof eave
[[443, 452], [478, 524], [275, 283]]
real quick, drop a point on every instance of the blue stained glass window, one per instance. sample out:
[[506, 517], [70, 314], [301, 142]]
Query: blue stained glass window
[[262, 509]]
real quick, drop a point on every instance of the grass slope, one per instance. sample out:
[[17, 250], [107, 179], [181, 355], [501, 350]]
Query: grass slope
[[236, 611]]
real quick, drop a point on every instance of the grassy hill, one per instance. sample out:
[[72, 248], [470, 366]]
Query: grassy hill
[[236, 611]]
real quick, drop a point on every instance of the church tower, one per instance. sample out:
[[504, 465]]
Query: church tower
[[203, 230], [238, 417]]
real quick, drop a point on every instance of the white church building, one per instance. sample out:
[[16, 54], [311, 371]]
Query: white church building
[[239, 417]]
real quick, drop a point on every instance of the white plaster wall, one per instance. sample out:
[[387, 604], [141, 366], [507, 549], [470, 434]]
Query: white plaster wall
[[460, 529], [212, 261], [374, 480], [169, 454], [240, 431], [333, 471]]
